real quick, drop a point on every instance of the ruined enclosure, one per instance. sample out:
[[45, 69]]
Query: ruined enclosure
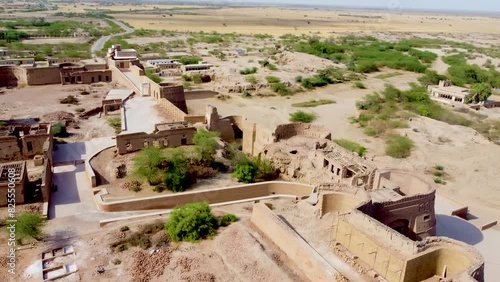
[[165, 135], [20, 142]]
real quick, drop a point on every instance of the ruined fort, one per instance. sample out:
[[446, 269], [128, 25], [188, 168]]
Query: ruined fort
[[381, 220]]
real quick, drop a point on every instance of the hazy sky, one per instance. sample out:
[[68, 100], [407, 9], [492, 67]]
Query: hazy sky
[[492, 6]]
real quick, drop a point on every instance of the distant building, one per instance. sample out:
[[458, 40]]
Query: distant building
[[115, 99], [123, 58], [15, 72], [164, 63], [492, 102], [196, 67], [447, 93]]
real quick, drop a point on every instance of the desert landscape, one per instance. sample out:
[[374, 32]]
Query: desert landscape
[[382, 90]]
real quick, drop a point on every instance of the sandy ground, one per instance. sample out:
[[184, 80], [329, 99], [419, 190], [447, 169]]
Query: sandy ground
[[325, 22], [237, 253], [43, 102], [467, 156]]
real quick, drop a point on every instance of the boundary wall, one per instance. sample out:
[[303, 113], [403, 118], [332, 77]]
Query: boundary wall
[[213, 196], [310, 262]]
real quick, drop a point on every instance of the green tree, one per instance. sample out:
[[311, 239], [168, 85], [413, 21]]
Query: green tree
[[430, 77], [29, 225], [480, 92], [206, 144], [148, 164], [59, 130], [176, 177], [191, 223], [245, 171]]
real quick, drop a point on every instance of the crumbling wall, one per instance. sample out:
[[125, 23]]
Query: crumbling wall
[[213, 196], [46, 180], [131, 142], [11, 76], [9, 149], [43, 75], [286, 131], [417, 206], [340, 202], [315, 267]]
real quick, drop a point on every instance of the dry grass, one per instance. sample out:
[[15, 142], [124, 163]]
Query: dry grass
[[278, 21]]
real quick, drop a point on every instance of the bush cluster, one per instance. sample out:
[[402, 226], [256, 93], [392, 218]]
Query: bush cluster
[[194, 222]]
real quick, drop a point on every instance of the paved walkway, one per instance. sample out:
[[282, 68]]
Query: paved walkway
[[74, 195], [67, 153]]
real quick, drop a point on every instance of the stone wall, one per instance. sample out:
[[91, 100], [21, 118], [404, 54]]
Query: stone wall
[[172, 111], [213, 196], [286, 131], [43, 75], [312, 264], [131, 142], [46, 180], [12, 76]]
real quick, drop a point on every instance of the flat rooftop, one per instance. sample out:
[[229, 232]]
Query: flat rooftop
[[118, 94], [95, 61], [385, 195], [19, 168]]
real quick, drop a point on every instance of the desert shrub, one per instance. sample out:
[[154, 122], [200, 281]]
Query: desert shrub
[[301, 116], [458, 59], [399, 147], [190, 60], [153, 76], [159, 188], [79, 110], [281, 89], [84, 93], [246, 94], [29, 226], [191, 223], [313, 103], [196, 78], [351, 146], [116, 124], [124, 228], [135, 188], [439, 180], [360, 85], [424, 56], [139, 240], [438, 173], [366, 67], [227, 219], [205, 143], [251, 79], [273, 79], [298, 78], [116, 261], [70, 99], [245, 171], [439, 167], [59, 130], [246, 71]]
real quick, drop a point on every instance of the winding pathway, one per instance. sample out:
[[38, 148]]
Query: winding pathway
[[99, 44]]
